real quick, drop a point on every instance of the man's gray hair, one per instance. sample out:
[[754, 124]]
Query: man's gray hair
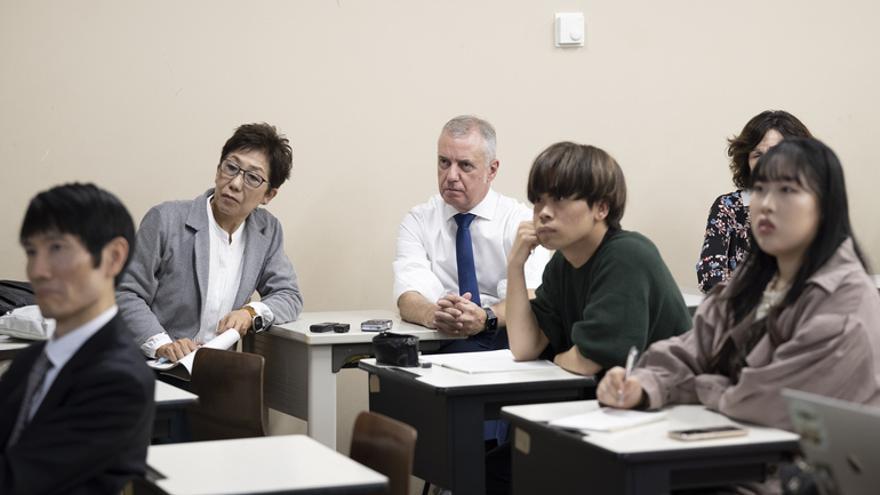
[[462, 125]]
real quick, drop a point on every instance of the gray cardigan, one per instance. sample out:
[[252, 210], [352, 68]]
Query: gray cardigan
[[166, 282]]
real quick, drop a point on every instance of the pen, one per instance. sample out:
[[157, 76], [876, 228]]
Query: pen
[[630, 362]]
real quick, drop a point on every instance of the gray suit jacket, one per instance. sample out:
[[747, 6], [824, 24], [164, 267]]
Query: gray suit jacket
[[165, 285]]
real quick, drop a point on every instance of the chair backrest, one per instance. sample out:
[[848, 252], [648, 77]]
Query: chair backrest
[[387, 446], [230, 389]]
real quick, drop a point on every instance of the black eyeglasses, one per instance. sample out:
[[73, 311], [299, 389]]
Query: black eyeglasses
[[231, 170]]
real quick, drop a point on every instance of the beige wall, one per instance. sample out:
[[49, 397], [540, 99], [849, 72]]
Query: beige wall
[[140, 96]]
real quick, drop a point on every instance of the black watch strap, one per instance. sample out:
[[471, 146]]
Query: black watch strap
[[491, 320]]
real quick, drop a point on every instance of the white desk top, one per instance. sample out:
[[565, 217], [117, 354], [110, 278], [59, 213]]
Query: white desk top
[[256, 465], [299, 329], [443, 377], [692, 298], [167, 395], [653, 437]]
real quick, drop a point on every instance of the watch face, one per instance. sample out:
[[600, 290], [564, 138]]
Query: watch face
[[258, 323]]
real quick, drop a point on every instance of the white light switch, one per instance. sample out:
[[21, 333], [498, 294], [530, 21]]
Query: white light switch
[[570, 29]]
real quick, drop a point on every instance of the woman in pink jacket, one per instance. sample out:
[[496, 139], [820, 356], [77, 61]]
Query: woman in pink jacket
[[802, 313]]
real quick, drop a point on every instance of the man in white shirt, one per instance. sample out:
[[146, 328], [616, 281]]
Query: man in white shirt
[[197, 263], [450, 272], [76, 411]]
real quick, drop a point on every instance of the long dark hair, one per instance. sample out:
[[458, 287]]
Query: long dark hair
[[814, 166]]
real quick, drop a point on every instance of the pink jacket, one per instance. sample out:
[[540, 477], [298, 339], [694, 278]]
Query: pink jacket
[[831, 347]]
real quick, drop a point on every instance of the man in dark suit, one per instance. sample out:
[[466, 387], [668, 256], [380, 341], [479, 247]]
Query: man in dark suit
[[76, 412]]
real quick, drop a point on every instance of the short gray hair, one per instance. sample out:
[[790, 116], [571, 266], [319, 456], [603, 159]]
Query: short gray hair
[[463, 125]]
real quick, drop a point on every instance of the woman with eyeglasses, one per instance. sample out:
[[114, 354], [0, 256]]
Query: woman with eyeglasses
[[727, 238]]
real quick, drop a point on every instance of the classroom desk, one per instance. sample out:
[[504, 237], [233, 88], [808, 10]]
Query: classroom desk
[[448, 409], [301, 366], [640, 460], [692, 299], [170, 420], [9, 346], [279, 464]]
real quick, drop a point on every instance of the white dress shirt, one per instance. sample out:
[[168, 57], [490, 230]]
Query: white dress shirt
[[224, 276], [426, 261], [60, 350]]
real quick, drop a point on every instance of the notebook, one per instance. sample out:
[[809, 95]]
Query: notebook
[[183, 369], [608, 419], [841, 441]]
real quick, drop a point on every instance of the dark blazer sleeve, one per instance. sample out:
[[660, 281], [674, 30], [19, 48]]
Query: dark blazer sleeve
[[91, 432]]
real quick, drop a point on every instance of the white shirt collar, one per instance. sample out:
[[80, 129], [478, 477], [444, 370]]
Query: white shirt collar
[[216, 229], [484, 209], [60, 350]]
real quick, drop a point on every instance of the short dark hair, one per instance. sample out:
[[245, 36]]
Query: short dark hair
[[93, 215], [579, 171], [740, 146], [815, 167], [263, 137]]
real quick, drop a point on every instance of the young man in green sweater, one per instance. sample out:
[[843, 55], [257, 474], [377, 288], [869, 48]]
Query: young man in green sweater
[[605, 289]]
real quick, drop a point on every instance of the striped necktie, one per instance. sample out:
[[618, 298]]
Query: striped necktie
[[35, 380]]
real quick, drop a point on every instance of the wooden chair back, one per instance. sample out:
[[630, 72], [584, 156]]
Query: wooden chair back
[[387, 446], [230, 389]]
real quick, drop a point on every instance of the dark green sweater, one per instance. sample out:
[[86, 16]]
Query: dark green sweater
[[622, 296]]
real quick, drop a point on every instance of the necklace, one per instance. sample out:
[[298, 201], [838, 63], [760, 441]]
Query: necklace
[[773, 295]]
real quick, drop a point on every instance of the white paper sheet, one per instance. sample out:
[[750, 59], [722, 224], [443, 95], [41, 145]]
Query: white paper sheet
[[485, 362], [223, 341], [608, 419]]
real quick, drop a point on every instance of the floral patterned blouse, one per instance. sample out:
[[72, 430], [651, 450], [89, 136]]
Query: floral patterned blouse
[[727, 240]]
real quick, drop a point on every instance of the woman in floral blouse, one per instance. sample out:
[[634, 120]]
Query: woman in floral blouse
[[727, 240]]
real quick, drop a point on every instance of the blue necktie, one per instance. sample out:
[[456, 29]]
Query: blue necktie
[[464, 256]]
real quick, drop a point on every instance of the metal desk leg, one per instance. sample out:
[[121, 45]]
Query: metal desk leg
[[322, 396]]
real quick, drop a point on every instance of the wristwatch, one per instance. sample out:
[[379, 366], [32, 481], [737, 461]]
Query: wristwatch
[[491, 320], [257, 320]]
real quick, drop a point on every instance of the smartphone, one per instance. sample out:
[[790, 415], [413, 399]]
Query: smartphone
[[375, 325], [708, 433], [327, 326]]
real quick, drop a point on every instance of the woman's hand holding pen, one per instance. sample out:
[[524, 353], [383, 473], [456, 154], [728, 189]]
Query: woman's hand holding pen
[[617, 390]]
